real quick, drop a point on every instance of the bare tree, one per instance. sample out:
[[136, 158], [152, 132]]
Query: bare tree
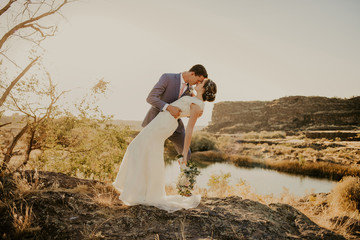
[[26, 20], [36, 114], [12, 84]]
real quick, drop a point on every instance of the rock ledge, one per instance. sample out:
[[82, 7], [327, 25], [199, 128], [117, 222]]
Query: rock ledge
[[69, 213]]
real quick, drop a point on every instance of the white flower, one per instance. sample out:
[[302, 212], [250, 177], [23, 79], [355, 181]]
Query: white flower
[[183, 164], [186, 179], [183, 167], [183, 180]]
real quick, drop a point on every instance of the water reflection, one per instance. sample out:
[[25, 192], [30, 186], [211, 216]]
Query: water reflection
[[262, 181]]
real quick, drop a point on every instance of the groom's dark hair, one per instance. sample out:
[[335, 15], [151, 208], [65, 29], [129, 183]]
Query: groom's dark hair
[[199, 70]]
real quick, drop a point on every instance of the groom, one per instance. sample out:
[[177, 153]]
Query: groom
[[169, 88]]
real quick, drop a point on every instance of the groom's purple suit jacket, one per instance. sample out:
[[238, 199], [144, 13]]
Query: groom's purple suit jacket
[[166, 90]]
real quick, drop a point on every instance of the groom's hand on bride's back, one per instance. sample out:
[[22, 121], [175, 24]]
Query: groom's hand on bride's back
[[174, 111]]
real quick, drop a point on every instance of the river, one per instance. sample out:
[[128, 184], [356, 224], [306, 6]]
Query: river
[[261, 181]]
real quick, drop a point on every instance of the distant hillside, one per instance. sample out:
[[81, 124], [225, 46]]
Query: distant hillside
[[15, 121], [286, 114], [136, 125]]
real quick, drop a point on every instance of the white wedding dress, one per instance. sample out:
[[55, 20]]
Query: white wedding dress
[[141, 177]]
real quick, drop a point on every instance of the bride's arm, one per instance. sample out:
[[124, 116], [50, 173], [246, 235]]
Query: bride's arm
[[195, 112]]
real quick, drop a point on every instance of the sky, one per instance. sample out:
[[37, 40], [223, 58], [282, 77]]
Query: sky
[[253, 49]]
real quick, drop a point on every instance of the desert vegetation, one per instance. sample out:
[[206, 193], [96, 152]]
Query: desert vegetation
[[297, 154], [90, 148], [337, 210]]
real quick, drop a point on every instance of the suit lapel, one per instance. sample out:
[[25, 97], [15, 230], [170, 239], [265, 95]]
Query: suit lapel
[[177, 84]]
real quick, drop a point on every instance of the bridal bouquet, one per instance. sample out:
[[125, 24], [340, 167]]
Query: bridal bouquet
[[186, 180]]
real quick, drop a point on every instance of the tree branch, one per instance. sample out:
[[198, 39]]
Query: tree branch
[[10, 60], [18, 108], [10, 149], [30, 144], [3, 125], [7, 91], [7, 6], [29, 21]]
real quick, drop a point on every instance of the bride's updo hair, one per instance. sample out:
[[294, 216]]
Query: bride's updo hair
[[210, 91]]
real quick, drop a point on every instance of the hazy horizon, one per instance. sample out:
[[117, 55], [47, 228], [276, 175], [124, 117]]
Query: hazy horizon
[[253, 50]]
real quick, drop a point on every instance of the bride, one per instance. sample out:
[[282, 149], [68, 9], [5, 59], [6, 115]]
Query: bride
[[141, 177]]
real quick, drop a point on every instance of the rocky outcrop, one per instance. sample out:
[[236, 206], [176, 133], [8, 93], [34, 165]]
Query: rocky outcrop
[[72, 212], [286, 114]]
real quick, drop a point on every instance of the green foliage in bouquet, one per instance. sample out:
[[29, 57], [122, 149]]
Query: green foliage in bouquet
[[187, 177]]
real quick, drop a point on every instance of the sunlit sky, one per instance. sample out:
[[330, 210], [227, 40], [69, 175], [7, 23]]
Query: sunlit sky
[[253, 50]]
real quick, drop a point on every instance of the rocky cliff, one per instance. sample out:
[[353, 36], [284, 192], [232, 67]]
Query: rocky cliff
[[287, 113], [64, 207]]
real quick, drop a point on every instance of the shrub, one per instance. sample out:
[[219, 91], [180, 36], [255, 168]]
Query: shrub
[[82, 147], [225, 143], [202, 142], [170, 152], [207, 156], [346, 194], [219, 184], [272, 135], [264, 135]]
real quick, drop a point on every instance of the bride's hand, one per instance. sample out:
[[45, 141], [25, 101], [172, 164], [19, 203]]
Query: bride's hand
[[182, 162]]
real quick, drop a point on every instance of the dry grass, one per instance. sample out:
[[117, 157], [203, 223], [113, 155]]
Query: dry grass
[[82, 189], [22, 219], [225, 143], [182, 235], [336, 211], [315, 169], [100, 193], [299, 166], [93, 233], [104, 195], [346, 195], [276, 146], [24, 185], [219, 185], [90, 233], [264, 135], [207, 156]]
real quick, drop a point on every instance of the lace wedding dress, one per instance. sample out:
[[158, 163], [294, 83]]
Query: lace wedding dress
[[141, 177]]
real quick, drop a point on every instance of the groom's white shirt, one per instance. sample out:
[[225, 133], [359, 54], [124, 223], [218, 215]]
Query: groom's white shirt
[[181, 82]]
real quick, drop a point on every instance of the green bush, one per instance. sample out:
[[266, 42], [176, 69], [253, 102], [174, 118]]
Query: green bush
[[81, 147], [202, 142]]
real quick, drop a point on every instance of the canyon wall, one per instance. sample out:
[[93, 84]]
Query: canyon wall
[[292, 113]]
